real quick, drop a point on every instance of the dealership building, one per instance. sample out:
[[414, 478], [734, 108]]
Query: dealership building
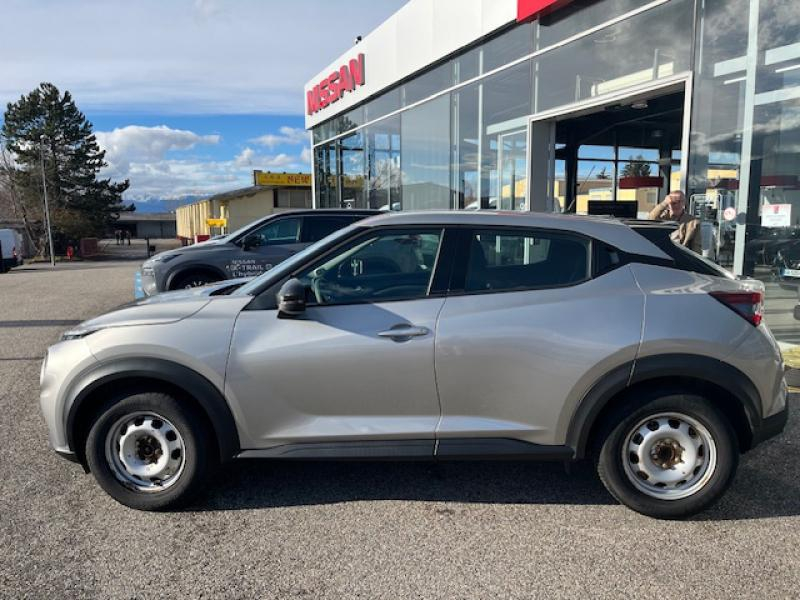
[[582, 106]]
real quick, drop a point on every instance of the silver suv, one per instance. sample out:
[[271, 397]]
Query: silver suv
[[435, 335]]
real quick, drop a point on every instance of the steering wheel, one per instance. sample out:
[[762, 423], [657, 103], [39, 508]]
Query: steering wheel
[[316, 287]]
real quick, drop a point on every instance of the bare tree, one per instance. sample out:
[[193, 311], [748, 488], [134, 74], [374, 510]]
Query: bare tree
[[12, 200]]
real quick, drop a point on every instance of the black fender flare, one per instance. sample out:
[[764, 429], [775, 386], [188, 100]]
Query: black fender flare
[[696, 367], [181, 270], [208, 396]]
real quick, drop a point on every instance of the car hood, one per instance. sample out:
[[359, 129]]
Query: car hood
[[141, 313], [208, 245]]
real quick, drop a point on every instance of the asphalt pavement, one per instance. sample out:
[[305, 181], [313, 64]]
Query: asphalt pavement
[[357, 530]]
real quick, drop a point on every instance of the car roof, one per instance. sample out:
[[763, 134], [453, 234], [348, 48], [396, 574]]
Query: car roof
[[326, 211], [607, 229]]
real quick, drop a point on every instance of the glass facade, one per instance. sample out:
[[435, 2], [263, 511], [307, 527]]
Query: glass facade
[[468, 147], [745, 145], [460, 135]]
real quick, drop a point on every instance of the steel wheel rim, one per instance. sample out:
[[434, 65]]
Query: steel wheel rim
[[145, 451], [669, 456]]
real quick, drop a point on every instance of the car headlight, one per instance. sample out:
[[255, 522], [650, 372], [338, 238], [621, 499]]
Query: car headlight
[[158, 258], [164, 257]]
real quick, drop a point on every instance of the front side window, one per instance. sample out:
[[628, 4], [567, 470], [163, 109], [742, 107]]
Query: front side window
[[381, 267], [511, 260], [275, 233]]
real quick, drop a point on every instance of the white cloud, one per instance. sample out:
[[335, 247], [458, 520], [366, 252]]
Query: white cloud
[[147, 144], [177, 178], [141, 154], [288, 135], [206, 9], [245, 158]]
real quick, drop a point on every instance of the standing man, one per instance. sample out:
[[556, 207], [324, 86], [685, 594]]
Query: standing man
[[673, 208]]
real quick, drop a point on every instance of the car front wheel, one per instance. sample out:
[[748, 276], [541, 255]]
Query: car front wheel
[[148, 451], [669, 457]]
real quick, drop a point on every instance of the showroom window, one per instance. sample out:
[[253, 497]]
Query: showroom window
[[744, 155], [650, 46], [425, 155]]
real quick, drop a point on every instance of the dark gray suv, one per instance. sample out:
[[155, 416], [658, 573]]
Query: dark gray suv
[[247, 252]]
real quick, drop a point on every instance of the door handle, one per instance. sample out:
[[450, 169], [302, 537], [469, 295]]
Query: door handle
[[403, 333]]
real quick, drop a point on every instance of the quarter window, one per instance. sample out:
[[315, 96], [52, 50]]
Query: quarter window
[[505, 261], [382, 267]]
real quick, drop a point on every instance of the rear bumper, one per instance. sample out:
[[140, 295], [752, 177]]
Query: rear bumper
[[771, 426]]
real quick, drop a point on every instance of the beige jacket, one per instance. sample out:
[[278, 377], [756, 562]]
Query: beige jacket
[[688, 232]]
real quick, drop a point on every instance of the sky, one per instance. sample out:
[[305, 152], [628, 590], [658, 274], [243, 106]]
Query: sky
[[187, 97]]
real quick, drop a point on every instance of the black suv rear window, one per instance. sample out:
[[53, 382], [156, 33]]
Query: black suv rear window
[[315, 228]]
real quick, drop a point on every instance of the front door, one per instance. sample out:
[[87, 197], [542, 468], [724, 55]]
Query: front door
[[358, 364], [267, 246]]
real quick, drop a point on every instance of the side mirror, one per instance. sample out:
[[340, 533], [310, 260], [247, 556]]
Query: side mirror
[[249, 242], [292, 299]]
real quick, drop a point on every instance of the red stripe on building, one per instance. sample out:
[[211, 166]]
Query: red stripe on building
[[530, 9]]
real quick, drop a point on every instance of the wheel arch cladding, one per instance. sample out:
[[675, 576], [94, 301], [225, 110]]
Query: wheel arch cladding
[[152, 375], [729, 389]]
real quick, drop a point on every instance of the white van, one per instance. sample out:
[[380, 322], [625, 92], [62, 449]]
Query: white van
[[10, 250]]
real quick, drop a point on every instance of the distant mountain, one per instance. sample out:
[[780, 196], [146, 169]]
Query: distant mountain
[[159, 205]]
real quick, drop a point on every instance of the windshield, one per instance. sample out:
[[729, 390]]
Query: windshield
[[289, 265]]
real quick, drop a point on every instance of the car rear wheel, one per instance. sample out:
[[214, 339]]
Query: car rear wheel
[[669, 456], [193, 280], [148, 451]]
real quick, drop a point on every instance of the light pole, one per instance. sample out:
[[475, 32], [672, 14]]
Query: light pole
[[46, 205]]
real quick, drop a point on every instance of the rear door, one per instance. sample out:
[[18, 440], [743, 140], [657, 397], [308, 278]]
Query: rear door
[[527, 329]]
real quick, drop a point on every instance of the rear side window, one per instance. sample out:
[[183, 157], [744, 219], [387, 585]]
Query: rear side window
[[316, 228], [684, 259], [517, 260]]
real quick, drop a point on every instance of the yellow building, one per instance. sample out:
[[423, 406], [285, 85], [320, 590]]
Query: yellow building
[[228, 211]]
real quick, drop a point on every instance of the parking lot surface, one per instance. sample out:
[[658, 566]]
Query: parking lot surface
[[365, 530]]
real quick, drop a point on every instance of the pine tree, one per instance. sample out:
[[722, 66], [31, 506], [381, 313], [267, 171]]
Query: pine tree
[[636, 169], [46, 128]]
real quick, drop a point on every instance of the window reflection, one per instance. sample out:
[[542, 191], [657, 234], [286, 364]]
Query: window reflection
[[383, 161], [506, 107], [425, 155], [352, 152], [650, 46]]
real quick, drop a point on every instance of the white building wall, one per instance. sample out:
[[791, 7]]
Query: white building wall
[[419, 34]]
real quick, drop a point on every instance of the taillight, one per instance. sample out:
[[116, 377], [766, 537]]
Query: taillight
[[14, 252], [749, 305]]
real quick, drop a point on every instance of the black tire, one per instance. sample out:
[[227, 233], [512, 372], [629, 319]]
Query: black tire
[[193, 279], [620, 428], [193, 432]]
